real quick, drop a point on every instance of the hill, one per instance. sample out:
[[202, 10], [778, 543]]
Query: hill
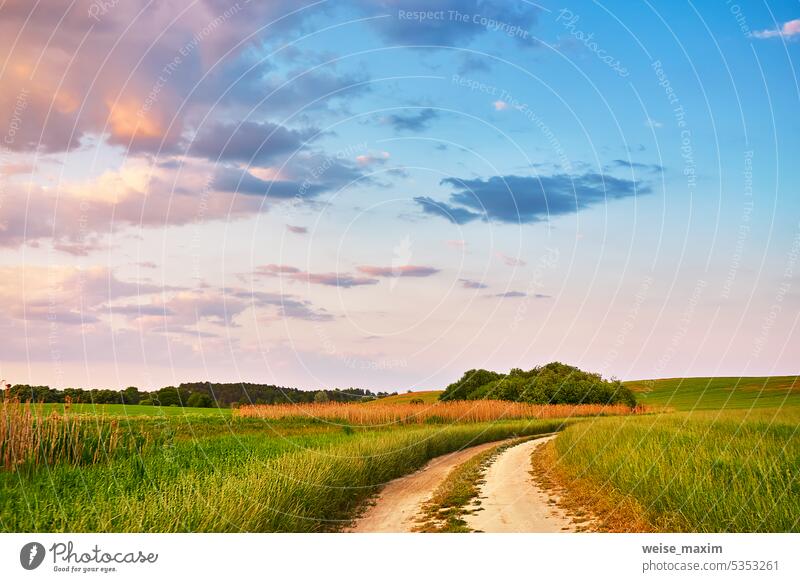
[[718, 393], [427, 396]]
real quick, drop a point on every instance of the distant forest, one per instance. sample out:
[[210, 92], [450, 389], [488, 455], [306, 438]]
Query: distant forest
[[193, 394]]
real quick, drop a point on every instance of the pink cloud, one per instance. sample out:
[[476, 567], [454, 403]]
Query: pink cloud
[[511, 261], [398, 271], [344, 280], [788, 30]]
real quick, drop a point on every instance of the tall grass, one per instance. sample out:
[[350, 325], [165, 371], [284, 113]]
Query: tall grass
[[376, 414], [252, 483], [30, 437], [720, 472]]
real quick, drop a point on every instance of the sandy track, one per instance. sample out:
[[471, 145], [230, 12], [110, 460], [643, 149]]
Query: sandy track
[[511, 500], [399, 502]]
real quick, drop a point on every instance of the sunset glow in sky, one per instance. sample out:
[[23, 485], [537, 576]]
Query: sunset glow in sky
[[383, 194]]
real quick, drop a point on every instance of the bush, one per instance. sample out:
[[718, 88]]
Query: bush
[[199, 400], [554, 383]]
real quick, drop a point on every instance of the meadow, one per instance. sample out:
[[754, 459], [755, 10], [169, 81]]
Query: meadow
[[709, 455], [714, 471], [210, 473]]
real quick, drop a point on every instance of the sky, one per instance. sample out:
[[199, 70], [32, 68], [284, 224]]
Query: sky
[[383, 194]]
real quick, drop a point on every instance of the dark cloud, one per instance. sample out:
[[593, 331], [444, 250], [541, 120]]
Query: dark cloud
[[524, 199], [447, 28], [398, 271], [470, 284], [249, 142], [343, 280], [518, 294], [454, 214], [416, 121], [297, 229]]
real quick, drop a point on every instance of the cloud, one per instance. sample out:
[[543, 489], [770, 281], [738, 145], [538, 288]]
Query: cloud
[[518, 294], [789, 29], [525, 199], [500, 105], [343, 280], [416, 121], [510, 294], [167, 80], [80, 217], [511, 261], [398, 271], [297, 229], [655, 168], [452, 213], [372, 159], [497, 18], [249, 142], [470, 284]]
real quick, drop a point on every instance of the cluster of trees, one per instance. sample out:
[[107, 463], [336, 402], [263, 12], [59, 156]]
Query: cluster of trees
[[194, 394], [554, 383]]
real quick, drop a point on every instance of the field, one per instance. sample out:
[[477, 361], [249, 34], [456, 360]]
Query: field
[[310, 467], [719, 393], [209, 471], [427, 397]]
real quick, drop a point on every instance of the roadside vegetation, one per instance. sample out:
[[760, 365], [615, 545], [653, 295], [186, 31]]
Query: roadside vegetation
[[267, 482], [736, 471]]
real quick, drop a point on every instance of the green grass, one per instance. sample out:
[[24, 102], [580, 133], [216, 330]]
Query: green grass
[[260, 482], [427, 396], [718, 393], [730, 471], [122, 410]]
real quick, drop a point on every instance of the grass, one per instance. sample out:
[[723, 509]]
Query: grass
[[253, 482], [718, 393], [124, 410], [427, 397], [439, 413], [729, 471], [444, 512]]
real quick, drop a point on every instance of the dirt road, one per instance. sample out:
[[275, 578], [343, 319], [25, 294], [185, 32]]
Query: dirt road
[[400, 500], [510, 499]]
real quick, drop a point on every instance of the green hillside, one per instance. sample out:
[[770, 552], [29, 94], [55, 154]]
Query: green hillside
[[718, 393]]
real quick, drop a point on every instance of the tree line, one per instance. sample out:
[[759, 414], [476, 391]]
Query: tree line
[[192, 394]]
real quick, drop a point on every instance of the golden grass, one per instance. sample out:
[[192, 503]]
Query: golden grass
[[29, 436], [441, 412]]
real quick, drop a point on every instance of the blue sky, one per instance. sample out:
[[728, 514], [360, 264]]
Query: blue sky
[[384, 194]]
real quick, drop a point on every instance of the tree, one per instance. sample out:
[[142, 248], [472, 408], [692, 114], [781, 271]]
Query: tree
[[321, 397], [131, 395], [199, 400]]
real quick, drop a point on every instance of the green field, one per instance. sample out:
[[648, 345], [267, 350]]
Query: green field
[[725, 458], [720, 471], [718, 393], [118, 410], [278, 479], [427, 396]]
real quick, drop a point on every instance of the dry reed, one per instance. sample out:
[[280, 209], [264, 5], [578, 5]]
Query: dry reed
[[30, 437], [442, 412]]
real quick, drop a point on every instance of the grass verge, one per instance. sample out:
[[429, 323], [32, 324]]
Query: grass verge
[[233, 483], [702, 472]]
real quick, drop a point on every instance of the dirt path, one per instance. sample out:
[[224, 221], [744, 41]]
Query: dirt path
[[399, 501], [511, 501]]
